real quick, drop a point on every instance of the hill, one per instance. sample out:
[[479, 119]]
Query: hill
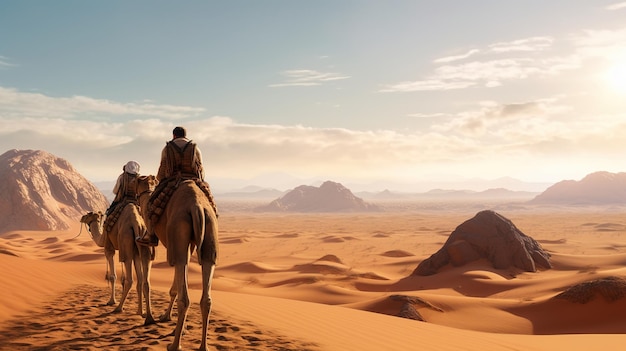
[[328, 197], [39, 191], [594, 189]]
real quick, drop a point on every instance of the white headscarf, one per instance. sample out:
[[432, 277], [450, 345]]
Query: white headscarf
[[131, 167]]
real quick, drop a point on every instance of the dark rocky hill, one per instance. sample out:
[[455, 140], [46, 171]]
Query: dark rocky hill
[[490, 236], [39, 191], [329, 197]]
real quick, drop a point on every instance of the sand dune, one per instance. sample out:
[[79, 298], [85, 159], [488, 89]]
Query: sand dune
[[285, 282]]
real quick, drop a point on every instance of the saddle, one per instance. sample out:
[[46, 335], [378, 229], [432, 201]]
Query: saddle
[[163, 192], [114, 215]]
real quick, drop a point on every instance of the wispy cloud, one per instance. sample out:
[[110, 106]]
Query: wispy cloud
[[527, 44], [14, 103], [435, 83], [4, 62], [428, 115], [534, 57], [616, 6], [456, 57], [307, 77], [489, 73]]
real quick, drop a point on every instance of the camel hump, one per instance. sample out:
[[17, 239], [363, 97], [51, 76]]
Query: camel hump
[[164, 191], [115, 214]]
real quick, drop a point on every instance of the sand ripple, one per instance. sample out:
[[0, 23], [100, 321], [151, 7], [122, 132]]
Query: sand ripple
[[78, 320]]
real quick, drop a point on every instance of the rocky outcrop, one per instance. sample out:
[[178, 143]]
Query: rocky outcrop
[[609, 288], [329, 197], [39, 191], [491, 236], [595, 188]]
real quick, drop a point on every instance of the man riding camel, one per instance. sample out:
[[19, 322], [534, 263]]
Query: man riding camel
[[180, 159], [124, 193]]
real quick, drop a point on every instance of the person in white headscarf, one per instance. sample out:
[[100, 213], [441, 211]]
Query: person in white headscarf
[[121, 188]]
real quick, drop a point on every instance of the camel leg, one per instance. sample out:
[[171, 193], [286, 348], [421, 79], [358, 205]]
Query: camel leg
[[146, 266], [128, 283], [180, 277], [139, 274], [109, 252], [167, 315], [205, 302]]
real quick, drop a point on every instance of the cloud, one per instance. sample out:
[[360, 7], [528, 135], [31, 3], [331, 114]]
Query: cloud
[[426, 85], [498, 63], [490, 73], [457, 57], [4, 62], [527, 44], [14, 103], [467, 143], [491, 117], [428, 115], [616, 6], [604, 44], [306, 77]]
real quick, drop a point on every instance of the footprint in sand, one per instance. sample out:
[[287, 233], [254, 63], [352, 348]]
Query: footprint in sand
[[79, 320]]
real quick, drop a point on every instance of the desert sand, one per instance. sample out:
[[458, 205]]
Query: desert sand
[[329, 282]]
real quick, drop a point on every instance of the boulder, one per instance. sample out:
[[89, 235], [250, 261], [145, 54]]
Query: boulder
[[491, 236]]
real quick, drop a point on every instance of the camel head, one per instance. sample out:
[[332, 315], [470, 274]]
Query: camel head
[[90, 217], [146, 183]]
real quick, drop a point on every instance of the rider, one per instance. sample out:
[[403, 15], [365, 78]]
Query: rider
[[180, 157], [122, 189]]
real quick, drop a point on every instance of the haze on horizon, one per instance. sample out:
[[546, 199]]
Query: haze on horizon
[[350, 91]]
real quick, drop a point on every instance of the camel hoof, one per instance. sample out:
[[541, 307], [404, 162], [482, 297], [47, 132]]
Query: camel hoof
[[111, 303], [117, 310], [171, 347], [165, 318], [149, 321]]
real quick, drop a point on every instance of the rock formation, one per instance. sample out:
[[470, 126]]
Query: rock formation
[[610, 288], [329, 197], [39, 191], [491, 236]]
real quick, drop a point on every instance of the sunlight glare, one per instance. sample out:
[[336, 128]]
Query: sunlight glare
[[616, 77]]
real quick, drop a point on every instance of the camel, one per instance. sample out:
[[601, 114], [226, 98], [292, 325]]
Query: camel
[[122, 238], [188, 222]]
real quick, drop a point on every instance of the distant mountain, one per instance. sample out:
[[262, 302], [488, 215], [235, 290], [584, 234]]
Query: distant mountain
[[328, 197], [39, 191], [251, 192], [450, 194], [595, 188], [285, 182]]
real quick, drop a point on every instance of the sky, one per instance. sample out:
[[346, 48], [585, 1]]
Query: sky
[[369, 91]]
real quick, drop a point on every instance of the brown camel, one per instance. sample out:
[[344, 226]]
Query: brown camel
[[122, 238], [188, 222]]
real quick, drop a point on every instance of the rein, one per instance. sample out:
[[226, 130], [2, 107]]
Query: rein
[[80, 231], [147, 191]]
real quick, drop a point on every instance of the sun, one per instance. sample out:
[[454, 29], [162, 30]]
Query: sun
[[616, 77]]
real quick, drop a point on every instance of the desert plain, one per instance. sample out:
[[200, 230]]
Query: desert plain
[[331, 281]]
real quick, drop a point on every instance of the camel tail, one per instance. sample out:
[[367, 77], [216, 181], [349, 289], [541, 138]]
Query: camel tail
[[199, 224], [139, 226]]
